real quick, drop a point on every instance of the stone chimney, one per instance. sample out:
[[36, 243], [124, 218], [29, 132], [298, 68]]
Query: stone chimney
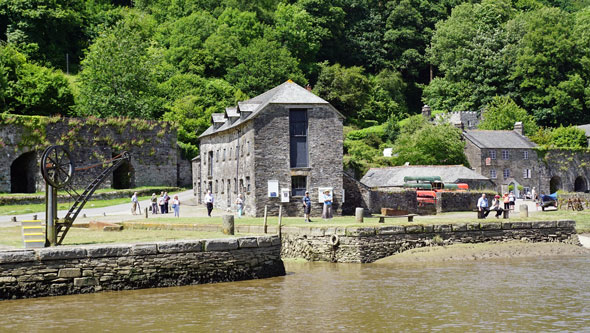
[[308, 87], [426, 111], [519, 128]]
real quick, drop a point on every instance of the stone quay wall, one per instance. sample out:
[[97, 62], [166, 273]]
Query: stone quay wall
[[74, 270], [367, 244], [460, 201]]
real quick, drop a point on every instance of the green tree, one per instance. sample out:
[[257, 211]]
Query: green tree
[[568, 137], [503, 112], [31, 89], [121, 72], [422, 143], [347, 89], [386, 97], [262, 65]]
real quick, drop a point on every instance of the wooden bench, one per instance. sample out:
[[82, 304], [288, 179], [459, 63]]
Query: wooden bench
[[383, 217]]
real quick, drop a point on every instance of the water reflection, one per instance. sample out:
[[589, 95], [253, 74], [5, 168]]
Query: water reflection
[[493, 295]]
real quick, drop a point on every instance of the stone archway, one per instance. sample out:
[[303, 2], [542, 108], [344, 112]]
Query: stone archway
[[554, 184], [123, 176], [23, 172], [580, 185]]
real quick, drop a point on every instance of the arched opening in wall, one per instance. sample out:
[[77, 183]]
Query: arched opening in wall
[[554, 184], [123, 176], [22, 173], [580, 185]]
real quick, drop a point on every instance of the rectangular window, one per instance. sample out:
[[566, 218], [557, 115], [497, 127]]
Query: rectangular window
[[525, 154], [242, 189], [228, 187], [493, 154], [527, 190], [249, 148], [298, 185], [493, 174], [505, 155], [210, 187], [237, 151], [506, 173], [526, 173], [216, 186], [247, 184], [210, 169], [222, 185], [235, 186], [224, 154], [217, 156], [298, 137]]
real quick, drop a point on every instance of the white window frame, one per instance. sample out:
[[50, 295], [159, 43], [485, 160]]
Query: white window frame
[[492, 154], [525, 155], [506, 173], [493, 174], [505, 154]]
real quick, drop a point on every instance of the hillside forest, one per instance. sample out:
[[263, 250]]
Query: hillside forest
[[377, 62]]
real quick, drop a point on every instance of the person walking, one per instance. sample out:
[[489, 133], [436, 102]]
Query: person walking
[[134, 204], [209, 202], [327, 212], [240, 205], [307, 207], [176, 206], [482, 206], [154, 201]]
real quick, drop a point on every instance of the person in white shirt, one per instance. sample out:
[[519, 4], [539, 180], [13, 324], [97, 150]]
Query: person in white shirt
[[209, 202], [176, 206], [482, 205], [134, 204]]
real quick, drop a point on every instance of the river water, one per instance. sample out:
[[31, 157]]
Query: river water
[[524, 294]]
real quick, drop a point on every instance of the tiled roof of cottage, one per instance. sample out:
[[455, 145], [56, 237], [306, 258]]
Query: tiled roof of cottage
[[232, 111], [394, 176], [585, 128], [498, 139], [218, 117], [286, 93]]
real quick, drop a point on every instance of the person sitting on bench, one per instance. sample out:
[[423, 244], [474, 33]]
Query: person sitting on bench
[[482, 206], [496, 206]]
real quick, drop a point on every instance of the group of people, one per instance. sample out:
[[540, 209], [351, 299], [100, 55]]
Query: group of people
[[164, 201], [485, 208], [327, 206]]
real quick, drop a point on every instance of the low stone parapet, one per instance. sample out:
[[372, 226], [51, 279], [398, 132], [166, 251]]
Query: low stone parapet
[[367, 244], [84, 269]]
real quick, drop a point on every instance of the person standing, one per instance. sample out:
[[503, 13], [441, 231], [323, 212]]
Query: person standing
[[154, 201], [327, 212], [166, 202], [534, 194], [134, 203], [512, 200], [161, 202], [506, 201], [240, 205], [482, 206], [209, 202], [307, 207], [176, 206]]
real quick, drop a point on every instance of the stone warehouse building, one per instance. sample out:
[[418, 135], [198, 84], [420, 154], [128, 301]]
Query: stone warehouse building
[[271, 149], [506, 157], [155, 157]]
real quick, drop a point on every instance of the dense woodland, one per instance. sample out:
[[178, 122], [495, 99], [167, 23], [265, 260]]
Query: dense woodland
[[377, 62]]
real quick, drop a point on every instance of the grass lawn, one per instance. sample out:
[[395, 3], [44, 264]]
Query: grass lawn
[[582, 220], [100, 190], [35, 208], [77, 236]]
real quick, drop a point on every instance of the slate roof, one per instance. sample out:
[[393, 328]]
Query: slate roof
[[498, 139], [394, 176], [232, 111], [585, 128], [218, 117], [288, 92]]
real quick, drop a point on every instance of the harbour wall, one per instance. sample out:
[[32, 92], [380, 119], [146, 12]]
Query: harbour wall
[[367, 244], [86, 269]]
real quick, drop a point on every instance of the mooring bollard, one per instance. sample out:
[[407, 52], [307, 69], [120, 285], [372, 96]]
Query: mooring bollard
[[265, 207], [13, 219], [506, 213], [35, 217], [358, 213], [146, 214], [228, 225], [280, 219], [524, 211]]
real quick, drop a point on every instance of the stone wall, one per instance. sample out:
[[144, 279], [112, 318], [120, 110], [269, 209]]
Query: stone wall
[[356, 195], [460, 201], [73, 270], [402, 199], [152, 146], [364, 245]]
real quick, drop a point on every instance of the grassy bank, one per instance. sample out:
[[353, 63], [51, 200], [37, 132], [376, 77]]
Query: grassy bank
[[80, 236]]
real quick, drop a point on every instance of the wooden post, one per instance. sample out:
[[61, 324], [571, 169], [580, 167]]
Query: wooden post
[[280, 219], [265, 207], [146, 214]]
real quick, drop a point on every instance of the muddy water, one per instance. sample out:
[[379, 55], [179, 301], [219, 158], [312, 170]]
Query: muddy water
[[532, 294]]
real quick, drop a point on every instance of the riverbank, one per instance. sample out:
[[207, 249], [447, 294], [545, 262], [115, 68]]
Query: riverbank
[[488, 250]]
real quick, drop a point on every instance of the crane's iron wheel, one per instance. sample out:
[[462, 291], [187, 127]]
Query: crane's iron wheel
[[57, 166]]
